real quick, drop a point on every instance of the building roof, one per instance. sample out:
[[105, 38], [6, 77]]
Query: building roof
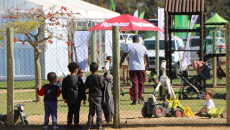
[[87, 10]]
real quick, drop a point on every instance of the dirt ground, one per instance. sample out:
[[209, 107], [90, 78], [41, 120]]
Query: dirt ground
[[140, 128], [135, 117], [131, 119]]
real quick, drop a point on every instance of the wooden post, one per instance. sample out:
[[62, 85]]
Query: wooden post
[[10, 76], [116, 76], [214, 70], [93, 48], [157, 62], [227, 72]]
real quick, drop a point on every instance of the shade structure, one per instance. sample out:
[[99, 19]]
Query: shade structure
[[126, 23], [216, 19]]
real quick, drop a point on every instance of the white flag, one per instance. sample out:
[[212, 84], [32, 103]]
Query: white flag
[[186, 58], [161, 21], [135, 14]]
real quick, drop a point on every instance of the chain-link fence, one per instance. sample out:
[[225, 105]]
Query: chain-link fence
[[143, 79]]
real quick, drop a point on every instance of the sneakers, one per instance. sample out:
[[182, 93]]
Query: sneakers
[[56, 127], [100, 128], [45, 127], [140, 101], [134, 103]]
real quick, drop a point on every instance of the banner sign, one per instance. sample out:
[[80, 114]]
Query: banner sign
[[161, 21], [135, 14], [181, 22], [186, 58], [112, 7], [141, 17]]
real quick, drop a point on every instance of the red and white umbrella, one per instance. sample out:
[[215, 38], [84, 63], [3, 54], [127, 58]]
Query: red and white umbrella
[[126, 23]]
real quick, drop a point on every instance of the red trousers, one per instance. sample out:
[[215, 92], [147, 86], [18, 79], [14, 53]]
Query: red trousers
[[137, 77]]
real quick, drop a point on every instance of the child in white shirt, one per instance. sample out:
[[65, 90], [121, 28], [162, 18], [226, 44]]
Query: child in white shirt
[[208, 104]]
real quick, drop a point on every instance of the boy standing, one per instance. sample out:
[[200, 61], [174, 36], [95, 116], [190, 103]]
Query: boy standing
[[51, 93], [95, 84], [73, 93], [208, 104]]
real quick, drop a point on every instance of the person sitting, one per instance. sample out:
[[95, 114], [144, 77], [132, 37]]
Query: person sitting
[[208, 104]]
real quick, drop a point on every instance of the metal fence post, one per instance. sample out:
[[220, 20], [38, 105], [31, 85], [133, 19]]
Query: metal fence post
[[214, 62], [227, 72], [93, 50], [116, 76], [157, 62], [10, 77]]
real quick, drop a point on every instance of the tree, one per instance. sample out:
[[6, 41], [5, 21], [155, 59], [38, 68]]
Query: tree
[[32, 24]]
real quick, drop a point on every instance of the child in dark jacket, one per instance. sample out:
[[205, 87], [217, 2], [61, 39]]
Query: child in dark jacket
[[73, 92], [107, 99], [94, 83], [51, 93]]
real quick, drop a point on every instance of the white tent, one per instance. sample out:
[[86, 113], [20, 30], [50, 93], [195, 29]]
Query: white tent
[[87, 10], [54, 56]]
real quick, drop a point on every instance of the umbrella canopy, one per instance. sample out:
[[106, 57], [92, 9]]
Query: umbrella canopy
[[126, 23], [216, 19]]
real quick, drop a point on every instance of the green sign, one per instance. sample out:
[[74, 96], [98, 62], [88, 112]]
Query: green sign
[[181, 22], [141, 17]]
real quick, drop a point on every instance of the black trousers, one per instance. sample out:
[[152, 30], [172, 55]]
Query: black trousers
[[74, 109], [95, 105]]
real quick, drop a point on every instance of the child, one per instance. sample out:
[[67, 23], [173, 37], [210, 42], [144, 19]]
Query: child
[[51, 93], [110, 59], [107, 99], [95, 84], [208, 104], [131, 94], [73, 91]]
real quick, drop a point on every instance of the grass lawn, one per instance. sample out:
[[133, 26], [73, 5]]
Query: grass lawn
[[31, 84], [34, 108]]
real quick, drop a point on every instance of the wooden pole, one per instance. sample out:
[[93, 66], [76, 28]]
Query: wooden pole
[[116, 76], [10, 76], [227, 72], [93, 46], [214, 62], [157, 62]]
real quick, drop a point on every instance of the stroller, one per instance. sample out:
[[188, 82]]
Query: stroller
[[194, 83]]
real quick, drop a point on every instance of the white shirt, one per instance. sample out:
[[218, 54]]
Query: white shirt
[[136, 53], [208, 104], [84, 79]]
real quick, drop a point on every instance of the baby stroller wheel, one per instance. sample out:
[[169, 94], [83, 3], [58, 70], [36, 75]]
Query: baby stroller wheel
[[200, 95]]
